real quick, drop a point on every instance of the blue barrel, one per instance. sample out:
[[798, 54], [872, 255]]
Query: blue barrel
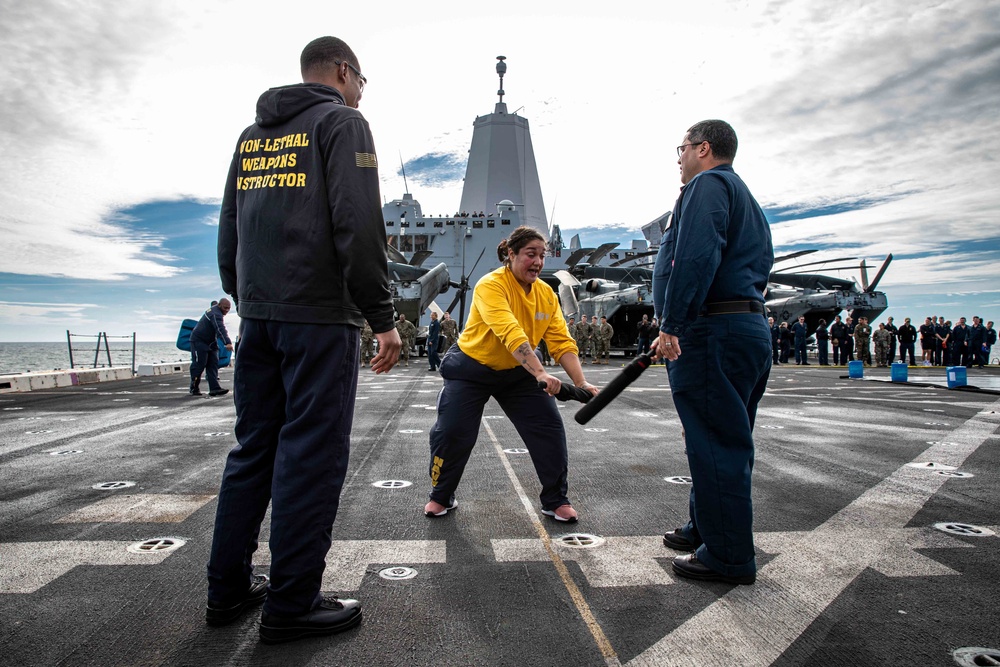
[[856, 369], [956, 377], [898, 373]]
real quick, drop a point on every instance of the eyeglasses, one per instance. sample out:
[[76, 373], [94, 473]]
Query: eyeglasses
[[680, 149], [361, 77]]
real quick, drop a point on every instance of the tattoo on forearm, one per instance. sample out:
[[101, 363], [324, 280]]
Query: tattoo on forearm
[[525, 351]]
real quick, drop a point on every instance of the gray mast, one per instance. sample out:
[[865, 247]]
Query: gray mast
[[502, 165]]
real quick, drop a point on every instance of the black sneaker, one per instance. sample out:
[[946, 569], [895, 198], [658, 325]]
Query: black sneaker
[[331, 616], [218, 392], [217, 616]]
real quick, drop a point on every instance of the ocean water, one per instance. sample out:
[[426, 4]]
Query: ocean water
[[23, 357]]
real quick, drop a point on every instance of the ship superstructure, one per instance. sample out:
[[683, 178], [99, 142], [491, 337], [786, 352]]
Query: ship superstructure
[[501, 192]]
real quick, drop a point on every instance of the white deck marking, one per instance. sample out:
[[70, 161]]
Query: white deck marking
[[545, 542], [813, 569], [139, 508], [348, 560], [27, 566], [620, 561]]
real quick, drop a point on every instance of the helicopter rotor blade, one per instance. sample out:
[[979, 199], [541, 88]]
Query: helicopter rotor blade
[[793, 255], [864, 276], [824, 261], [881, 272]]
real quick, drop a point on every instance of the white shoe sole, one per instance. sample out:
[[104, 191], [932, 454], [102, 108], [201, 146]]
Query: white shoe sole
[[552, 514]]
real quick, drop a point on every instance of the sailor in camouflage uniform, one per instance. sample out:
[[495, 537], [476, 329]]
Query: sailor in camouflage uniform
[[862, 335], [881, 338], [407, 332], [603, 335], [449, 330]]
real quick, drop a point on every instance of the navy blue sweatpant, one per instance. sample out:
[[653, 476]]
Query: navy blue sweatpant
[[716, 384], [205, 359], [294, 389], [468, 385]]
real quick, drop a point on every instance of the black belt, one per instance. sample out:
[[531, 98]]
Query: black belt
[[732, 308]]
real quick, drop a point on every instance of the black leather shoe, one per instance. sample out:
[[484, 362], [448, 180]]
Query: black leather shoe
[[676, 540], [332, 615], [216, 615], [194, 392], [692, 568], [218, 392]]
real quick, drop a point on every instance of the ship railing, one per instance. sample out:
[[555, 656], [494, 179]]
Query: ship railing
[[101, 344]]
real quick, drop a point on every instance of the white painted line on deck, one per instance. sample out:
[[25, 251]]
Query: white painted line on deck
[[348, 560], [27, 566], [603, 645], [139, 508], [813, 568]]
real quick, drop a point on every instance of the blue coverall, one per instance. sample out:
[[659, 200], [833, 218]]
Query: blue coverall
[[718, 249]]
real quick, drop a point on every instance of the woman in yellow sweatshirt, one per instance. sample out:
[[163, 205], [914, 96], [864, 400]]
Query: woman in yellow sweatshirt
[[511, 312]]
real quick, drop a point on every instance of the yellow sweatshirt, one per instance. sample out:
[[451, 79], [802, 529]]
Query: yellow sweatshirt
[[503, 318]]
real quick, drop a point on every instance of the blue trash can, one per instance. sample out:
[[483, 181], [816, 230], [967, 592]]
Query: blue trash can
[[899, 372], [855, 369], [956, 377]]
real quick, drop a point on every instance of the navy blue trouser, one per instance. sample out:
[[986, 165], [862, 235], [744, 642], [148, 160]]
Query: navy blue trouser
[[468, 385], [823, 351], [716, 384], [800, 352], [205, 359], [433, 358], [903, 349], [294, 391]]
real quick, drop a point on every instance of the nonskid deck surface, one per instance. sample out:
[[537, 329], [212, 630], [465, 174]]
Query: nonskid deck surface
[[875, 519]]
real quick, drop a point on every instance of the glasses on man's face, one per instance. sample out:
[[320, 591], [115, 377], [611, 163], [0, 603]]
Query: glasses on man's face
[[680, 149], [361, 77]]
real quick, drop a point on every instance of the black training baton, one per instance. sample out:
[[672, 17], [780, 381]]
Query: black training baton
[[569, 392], [628, 375]]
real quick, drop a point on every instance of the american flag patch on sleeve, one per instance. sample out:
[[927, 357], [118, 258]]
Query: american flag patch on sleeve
[[366, 160]]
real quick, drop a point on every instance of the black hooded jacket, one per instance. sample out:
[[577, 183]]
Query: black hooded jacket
[[301, 235]]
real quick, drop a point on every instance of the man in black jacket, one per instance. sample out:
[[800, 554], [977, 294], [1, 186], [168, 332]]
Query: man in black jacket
[[205, 348], [838, 332], [302, 250], [907, 337]]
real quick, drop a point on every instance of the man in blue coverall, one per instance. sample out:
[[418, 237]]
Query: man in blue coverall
[[708, 283], [801, 333], [205, 348], [433, 339]]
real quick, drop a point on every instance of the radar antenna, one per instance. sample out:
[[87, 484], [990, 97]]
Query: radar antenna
[[403, 169], [501, 70]]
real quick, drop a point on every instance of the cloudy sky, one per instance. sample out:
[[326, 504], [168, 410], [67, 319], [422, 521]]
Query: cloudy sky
[[866, 128]]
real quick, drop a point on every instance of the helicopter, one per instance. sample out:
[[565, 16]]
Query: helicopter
[[623, 294], [622, 289], [792, 293]]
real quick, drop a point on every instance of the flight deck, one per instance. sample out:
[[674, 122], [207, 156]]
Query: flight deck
[[876, 527]]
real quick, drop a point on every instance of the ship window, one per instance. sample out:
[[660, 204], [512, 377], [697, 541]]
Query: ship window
[[505, 221], [491, 223], [420, 223], [477, 224], [463, 222], [419, 242], [613, 255], [451, 223], [401, 243], [403, 223], [629, 254], [389, 223], [438, 223]]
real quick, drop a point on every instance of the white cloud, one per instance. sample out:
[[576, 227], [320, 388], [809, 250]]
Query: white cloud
[[105, 105]]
